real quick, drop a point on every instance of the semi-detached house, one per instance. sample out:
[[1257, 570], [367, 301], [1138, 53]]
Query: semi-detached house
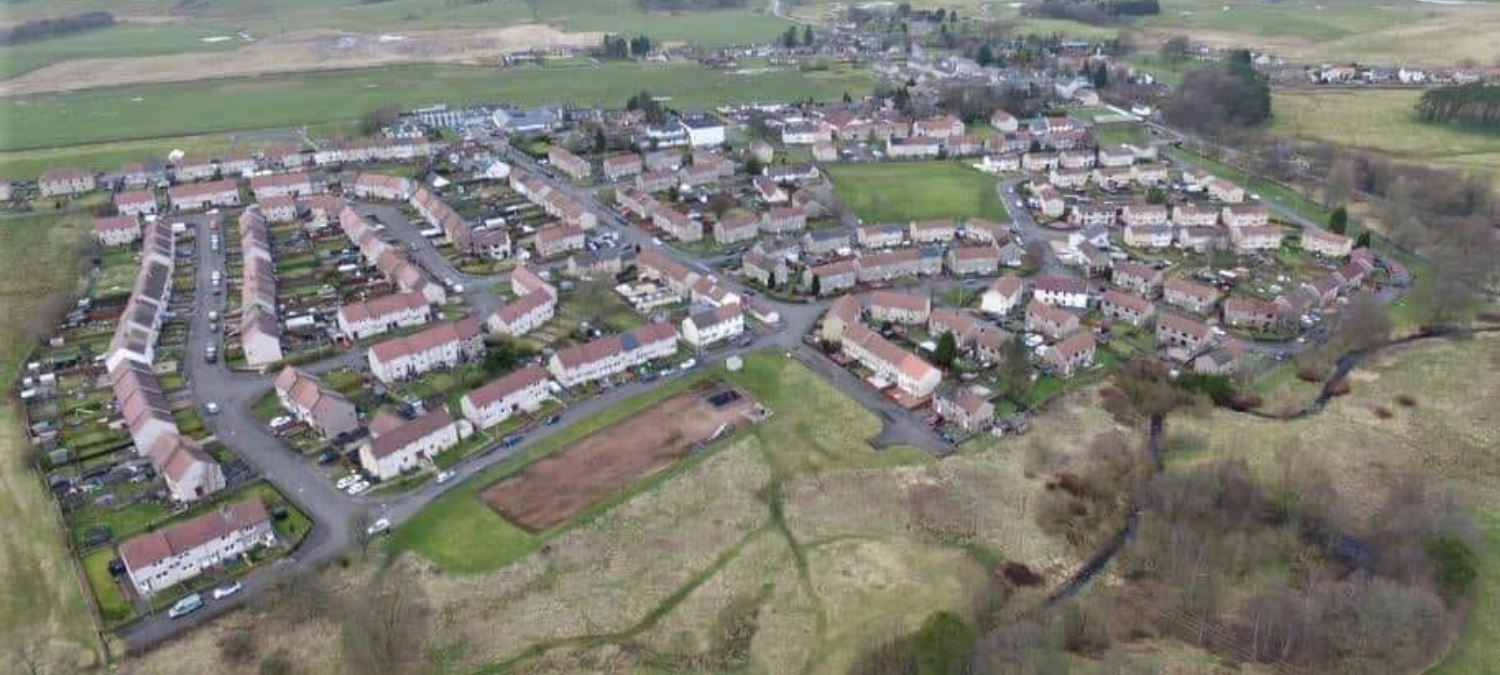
[[712, 326], [613, 354], [445, 345], [322, 409], [163, 558], [359, 320], [524, 390], [200, 196], [386, 455]]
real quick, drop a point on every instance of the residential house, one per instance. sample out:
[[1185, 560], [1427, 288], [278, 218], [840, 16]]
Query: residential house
[[444, 345], [199, 196], [1256, 238], [1148, 236], [882, 235], [978, 259], [911, 374], [967, 405], [559, 239], [65, 182], [934, 231], [655, 181], [913, 147], [565, 161], [715, 325], [117, 230], [359, 320], [770, 191], [1004, 122], [1325, 243], [736, 227], [1050, 201], [1245, 215], [136, 202], [382, 186], [1175, 331], [164, 557], [1002, 295], [938, 126], [896, 263], [1193, 215], [782, 219], [677, 224], [830, 278], [894, 307], [621, 166], [390, 453], [1072, 354], [1190, 295], [613, 354], [323, 410], [979, 230], [827, 241], [1224, 360], [1251, 313], [293, 184], [1060, 291], [1128, 307], [1052, 322], [524, 390]]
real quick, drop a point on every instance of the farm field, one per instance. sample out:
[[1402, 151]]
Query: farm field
[[172, 110], [791, 547], [1385, 121], [1380, 31], [904, 191], [554, 489], [158, 27], [42, 605], [1449, 432]]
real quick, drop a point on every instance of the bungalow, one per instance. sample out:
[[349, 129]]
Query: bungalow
[[164, 557], [386, 455], [912, 147], [934, 231], [1325, 243], [559, 239], [136, 202], [613, 354], [715, 325], [204, 195], [1072, 354], [781, 219], [911, 374], [1192, 215], [1251, 313], [1002, 295], [622, 166], [359, 320], [1148, 236], [736, 227], [1060, 291], [1190, 295], [894, 307], [770, 192], [65, 182], [1133, 276], [1175, 331], [117, 230], [567, 162], [881, 235], [1245, 215], [833, 277], [444, 345], [322, 409], [973, 259], [1053, 322], [1128, 307], [524, 390], [968, 406]]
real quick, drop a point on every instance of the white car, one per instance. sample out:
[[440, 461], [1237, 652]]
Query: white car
[[358, 488], [280, 421], [211, 408], [346, 481], [226, 590], [378, 527], [689, 364], [445, 476]]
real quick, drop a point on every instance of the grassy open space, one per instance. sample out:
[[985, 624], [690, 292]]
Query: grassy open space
[[42, 606], [1385, 121], [1116, 133], [1449, 434], [1268, 191], [171, 110], [904, 191]]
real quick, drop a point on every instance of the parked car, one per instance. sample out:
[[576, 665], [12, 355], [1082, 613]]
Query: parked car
[[346, 481], [226, 590], [445, 476], [327, 457], [280, 421], [211, 408], [358, 488], [511, 440], [379, 527], [554, 419], [185, 606]]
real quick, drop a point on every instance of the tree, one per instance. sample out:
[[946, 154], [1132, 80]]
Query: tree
[[1363, 240], [752, 166], [1156, 195], [371, 123], [986, 56], [1014, 371], [789, 38], [385, 625], [1338, 221], [1100, 76], [947, 349], [1174, 49], [807, 36], [640, 45], [817, 285], [942, 644], [1221, 98], [1339, 184], [1454, 567]]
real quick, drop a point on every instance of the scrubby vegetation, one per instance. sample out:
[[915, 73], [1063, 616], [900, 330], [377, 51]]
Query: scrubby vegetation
[[1475, 104]]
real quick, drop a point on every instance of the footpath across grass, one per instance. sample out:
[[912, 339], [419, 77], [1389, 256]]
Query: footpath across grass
[[906, 191]]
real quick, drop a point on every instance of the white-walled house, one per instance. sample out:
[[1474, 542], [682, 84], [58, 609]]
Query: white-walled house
[[166, 557], [387, 455], [523, 390], [715, 325]]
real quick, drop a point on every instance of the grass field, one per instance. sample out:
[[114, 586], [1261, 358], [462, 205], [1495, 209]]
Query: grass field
[[1449, 435], [174, 110], [41, 600], [1385, 121], [192, 22], [1116, 133], [903, 191]]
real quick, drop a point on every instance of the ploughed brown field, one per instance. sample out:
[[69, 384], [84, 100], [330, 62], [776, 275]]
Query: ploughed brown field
[[556, 488]]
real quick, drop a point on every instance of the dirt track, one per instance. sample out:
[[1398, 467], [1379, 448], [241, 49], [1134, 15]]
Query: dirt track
[[299, 52], [556, 488]]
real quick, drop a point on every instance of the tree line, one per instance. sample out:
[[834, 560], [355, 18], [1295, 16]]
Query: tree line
[[1474, 104], [1222, 96], [1094, 11], [42, 29], [619, 47], [687, 5]]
